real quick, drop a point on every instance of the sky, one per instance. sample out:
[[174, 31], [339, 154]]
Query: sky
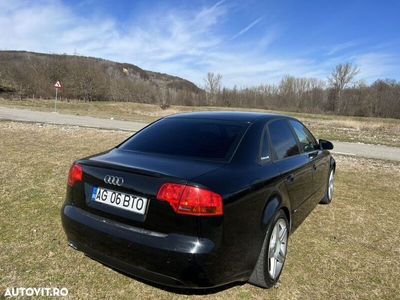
[[247, 42]]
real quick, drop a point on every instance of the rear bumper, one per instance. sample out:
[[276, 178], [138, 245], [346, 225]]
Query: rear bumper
[[170, 259]]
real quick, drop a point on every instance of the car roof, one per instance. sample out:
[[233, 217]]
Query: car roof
[[242, 116]]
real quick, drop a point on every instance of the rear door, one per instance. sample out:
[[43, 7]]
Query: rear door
[[293, 166]]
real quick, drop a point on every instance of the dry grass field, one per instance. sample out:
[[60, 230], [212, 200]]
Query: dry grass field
[[341, 128], [347, 250]]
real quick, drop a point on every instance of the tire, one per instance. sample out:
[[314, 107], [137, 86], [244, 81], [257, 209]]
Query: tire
[[329, 188], [262, 275]]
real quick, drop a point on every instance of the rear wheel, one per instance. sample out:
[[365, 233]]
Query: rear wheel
[[330, 188], [273, 253]]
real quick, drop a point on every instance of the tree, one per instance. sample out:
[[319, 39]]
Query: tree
[[341, 76], [213, 83], [212, 86]]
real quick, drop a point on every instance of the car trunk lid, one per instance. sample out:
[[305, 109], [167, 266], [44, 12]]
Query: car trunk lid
[[143, 175]]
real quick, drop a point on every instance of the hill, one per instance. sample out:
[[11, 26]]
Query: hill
[[28, 74]]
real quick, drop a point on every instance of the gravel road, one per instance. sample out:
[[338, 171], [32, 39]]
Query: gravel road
[[25, 115]]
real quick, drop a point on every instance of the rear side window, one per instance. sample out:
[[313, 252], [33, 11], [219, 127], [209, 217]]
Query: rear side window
[[196, 138], [283, 140], [307, 141]]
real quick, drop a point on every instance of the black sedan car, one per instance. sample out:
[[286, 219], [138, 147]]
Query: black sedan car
[[199, 200]]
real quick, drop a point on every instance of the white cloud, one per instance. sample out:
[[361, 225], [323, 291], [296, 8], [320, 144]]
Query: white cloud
[[186, 43], [375, 65], [247, 28], [340, 47]]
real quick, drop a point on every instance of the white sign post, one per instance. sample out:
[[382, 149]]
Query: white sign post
[[57, 85]]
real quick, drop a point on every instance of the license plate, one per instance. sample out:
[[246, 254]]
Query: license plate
[[129, 202]]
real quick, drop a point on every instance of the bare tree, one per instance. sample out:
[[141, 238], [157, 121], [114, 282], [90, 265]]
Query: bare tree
[[213, 83], [212, 87], [341, 76]]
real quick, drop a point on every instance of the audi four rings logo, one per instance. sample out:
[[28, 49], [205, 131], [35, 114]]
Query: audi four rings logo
[[114, 180]]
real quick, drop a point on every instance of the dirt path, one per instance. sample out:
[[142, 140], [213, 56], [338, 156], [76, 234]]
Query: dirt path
[[25, 115]]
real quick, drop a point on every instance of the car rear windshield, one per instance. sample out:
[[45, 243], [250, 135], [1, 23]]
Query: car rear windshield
[[196, 138]]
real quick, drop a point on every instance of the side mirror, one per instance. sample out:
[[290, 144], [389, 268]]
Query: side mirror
[[325, 145]]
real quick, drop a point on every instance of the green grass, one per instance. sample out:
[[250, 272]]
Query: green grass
[[331, 127], [349, 249]]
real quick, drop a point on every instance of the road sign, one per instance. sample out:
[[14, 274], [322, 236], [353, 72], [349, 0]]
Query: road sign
[[57, 85]]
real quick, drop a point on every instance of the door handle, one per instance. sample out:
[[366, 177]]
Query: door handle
[[312, 155], [290, 178]]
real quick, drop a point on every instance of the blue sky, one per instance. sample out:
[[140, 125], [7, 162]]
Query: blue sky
[[248, 42]]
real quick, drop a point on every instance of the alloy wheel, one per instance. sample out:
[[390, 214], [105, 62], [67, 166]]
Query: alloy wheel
[[331, 184], [277, 248]]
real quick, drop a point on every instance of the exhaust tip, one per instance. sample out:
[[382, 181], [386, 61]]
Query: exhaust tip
[[72, 245]]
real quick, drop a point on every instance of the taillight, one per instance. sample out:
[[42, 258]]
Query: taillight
[[191, 200], [75, 174]]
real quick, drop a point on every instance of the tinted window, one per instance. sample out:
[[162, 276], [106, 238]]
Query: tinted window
[[307, 141], [283, 140], [265, 147], [197, 138]]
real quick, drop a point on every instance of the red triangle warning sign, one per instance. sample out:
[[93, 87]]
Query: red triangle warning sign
[[57, 85]]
